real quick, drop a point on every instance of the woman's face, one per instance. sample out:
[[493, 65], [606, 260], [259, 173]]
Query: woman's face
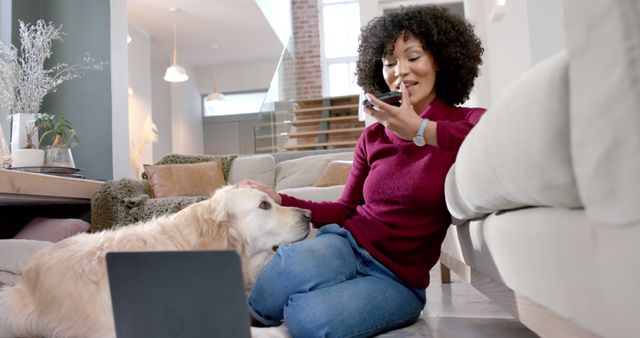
[[413, 65]]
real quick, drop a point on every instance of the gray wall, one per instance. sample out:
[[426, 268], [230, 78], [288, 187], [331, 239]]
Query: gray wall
[[86, 102]]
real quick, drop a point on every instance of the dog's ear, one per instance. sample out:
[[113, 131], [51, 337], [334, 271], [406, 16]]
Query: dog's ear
[[219, 203], [214, 236], [235, 239]]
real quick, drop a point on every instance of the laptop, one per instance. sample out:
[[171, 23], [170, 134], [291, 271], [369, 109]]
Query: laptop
[[178, 294]]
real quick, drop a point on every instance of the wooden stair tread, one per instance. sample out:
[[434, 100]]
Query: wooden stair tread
[[325, 144], [318, 109], [325, 131], [323, 119], [330, 98], [268, 148]]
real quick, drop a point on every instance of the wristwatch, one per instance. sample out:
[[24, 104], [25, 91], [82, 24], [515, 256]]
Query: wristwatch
[[419, 138]]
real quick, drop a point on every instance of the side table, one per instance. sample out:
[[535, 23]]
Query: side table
[[24, 196]]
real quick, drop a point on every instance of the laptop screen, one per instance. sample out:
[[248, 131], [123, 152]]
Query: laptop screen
[[178, 294]]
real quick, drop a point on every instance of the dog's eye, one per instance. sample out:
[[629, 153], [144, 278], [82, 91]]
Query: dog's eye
[[264, 205]]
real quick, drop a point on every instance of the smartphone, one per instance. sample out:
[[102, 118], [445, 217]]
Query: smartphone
[[392, 98]]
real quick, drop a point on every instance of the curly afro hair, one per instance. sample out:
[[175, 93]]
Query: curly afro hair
[[450, 39]]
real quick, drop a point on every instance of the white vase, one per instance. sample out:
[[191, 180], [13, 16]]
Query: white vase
[[5, 153], [19, 132], [27, 158]]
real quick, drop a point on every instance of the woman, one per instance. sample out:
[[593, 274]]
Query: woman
[[367, 269]]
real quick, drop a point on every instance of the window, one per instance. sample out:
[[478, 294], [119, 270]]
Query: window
[[235, 103], [340, 28]]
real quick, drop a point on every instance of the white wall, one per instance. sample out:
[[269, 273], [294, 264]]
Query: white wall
[[140, 96], [236, 77], [186, 116], [174, 107], [161, 100]]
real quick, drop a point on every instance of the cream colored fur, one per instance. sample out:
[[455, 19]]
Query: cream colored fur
[[64, 290]]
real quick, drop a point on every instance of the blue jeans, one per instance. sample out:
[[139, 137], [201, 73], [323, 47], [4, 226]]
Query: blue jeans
[[329, 286]]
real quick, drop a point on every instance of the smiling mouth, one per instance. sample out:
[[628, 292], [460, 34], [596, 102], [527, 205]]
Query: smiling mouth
[[408, 84]]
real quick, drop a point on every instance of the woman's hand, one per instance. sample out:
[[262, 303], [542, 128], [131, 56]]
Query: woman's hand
[[249, 183], [403, 120]]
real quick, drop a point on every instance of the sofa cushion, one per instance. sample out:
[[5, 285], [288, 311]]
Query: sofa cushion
[[14, 256], [52, 229], [604, 47], [336, 173], [193, 179], [518, 154], [261, 168], [304, 171], [317, 194]]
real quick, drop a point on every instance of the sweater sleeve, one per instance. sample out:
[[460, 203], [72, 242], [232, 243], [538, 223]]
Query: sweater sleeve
[[339, 211], [450, 134]]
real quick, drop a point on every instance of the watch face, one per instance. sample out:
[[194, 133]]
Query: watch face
[[419, 141]]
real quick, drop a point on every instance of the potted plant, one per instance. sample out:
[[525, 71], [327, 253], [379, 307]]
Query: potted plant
[[29, 155], [63, 137], [24, 81]]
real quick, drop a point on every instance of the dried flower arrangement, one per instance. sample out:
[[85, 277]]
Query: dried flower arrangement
[[23, 79], [148, 135]]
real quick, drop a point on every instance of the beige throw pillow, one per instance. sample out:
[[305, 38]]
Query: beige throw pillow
[[336, 173], [195, 179]]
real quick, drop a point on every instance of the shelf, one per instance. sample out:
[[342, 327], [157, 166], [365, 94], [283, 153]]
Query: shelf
[[326, 144], [326, 131], [319, 109], [323, 119], [270, 149], [331, 98]]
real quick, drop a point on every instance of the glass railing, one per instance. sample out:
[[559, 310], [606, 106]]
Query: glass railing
[[276, 112]]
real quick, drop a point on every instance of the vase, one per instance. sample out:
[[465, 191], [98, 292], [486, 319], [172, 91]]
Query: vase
[[59, 156], [5, 153], [19, 130], [27, 158]]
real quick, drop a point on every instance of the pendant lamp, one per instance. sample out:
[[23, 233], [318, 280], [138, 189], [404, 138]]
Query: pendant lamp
[[175, 72], [215, 95]]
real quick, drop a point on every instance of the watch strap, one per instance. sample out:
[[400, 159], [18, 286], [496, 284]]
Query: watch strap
[[423, 126]]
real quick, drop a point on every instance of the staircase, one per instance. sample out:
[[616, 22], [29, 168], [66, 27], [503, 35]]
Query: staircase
[[324, 123], [320, 123]]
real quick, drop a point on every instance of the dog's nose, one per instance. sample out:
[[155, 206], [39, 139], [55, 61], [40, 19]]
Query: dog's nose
[[306, 214]]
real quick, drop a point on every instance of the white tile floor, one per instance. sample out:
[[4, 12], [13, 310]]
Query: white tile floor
[[457, 310]]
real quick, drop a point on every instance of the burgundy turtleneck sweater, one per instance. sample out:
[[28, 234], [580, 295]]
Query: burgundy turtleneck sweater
[[393, 202]]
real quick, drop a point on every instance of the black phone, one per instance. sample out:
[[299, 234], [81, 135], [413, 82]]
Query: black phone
[[392, 98]]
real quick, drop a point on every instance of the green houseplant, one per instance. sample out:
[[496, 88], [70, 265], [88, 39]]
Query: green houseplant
[[60, 129], [63, 137]]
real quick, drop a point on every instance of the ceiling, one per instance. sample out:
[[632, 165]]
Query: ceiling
[[237, 27]]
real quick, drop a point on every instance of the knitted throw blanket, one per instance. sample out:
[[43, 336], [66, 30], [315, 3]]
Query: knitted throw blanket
[[126, 201]]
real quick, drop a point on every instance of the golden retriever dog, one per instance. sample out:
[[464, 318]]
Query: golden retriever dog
[[64, 290]]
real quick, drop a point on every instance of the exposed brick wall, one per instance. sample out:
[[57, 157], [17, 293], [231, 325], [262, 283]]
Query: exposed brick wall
[[306, 37]]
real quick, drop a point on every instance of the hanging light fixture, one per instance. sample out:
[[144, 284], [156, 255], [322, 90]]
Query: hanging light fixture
[[215, 95], [175, 72]]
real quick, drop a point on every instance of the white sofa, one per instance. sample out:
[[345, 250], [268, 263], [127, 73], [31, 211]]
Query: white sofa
[[546, 188], [292, 173]]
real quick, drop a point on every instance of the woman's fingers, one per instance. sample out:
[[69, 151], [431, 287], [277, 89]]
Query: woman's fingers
[[406, 100]]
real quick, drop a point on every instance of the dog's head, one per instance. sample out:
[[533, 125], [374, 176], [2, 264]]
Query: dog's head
[[256, 221]]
